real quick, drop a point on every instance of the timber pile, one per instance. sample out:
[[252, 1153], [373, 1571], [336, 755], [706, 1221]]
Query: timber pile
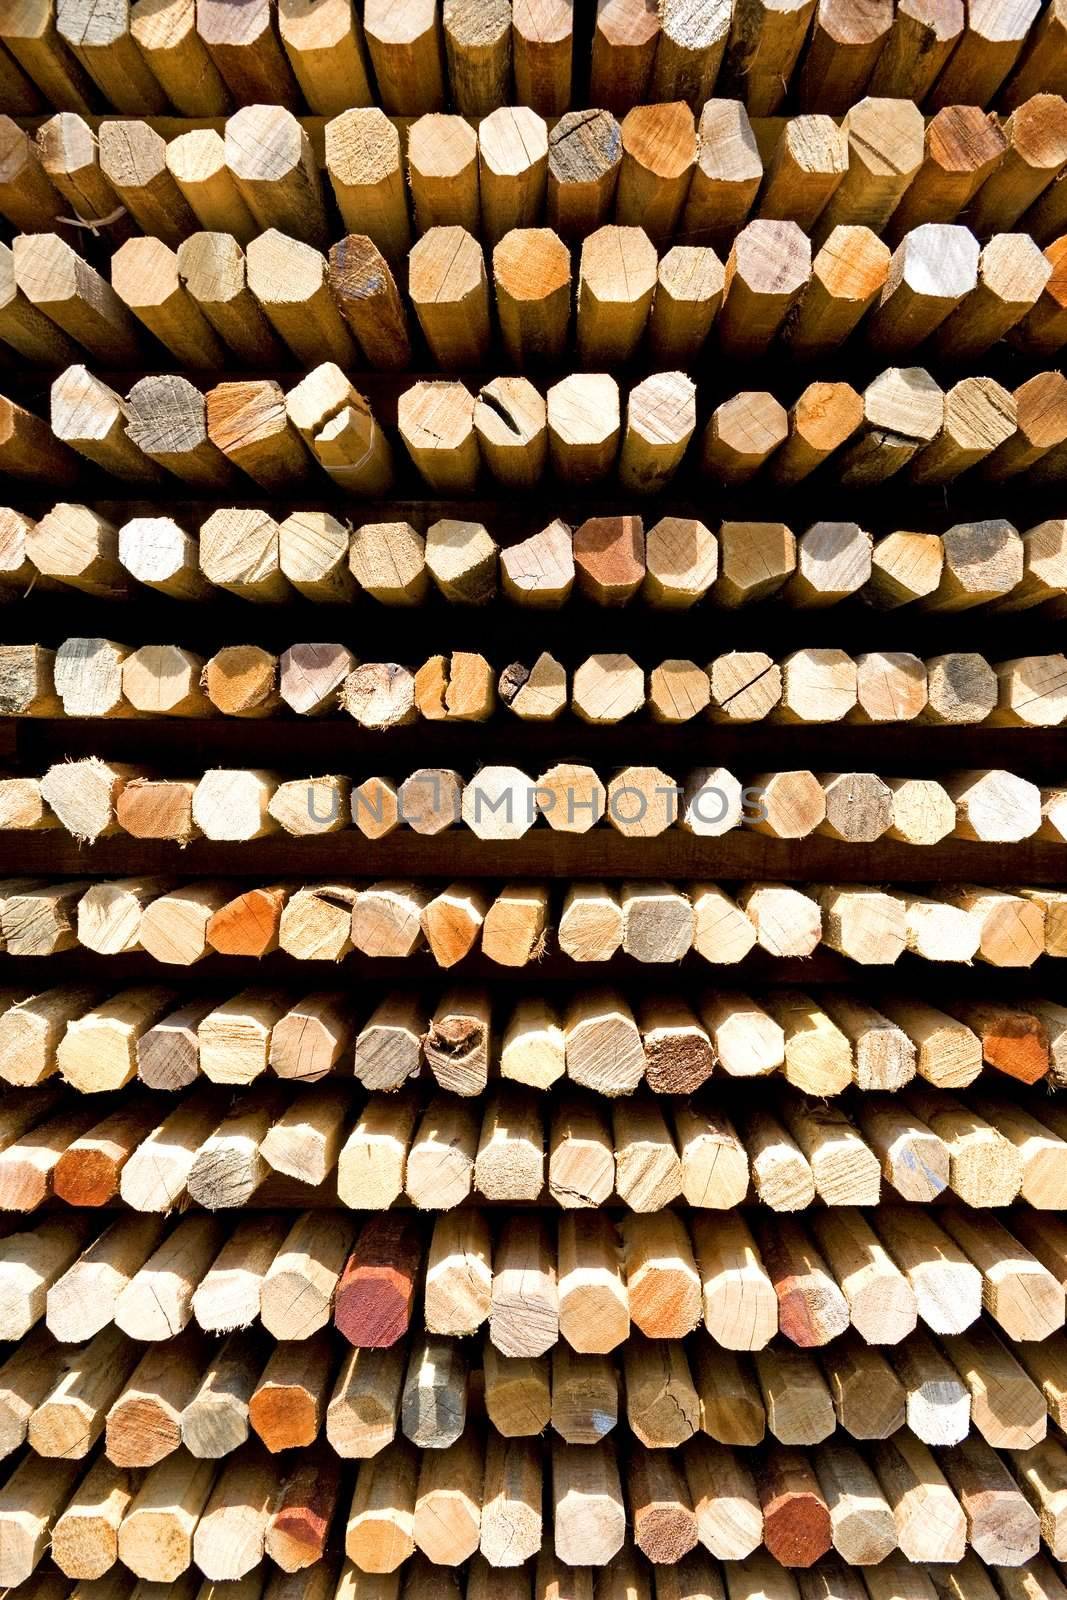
[[100, 677], [649, 921], [606, 561], [464, 469]]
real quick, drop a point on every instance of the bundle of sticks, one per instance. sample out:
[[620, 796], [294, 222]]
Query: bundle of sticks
[[90, 799], [589, 1280], [101, 677], [210, 1398], [606, 561], [581, 431], [482, 1496], [819, 1041], [414, 59], [697, 172], [267, 295], [652, 922], [371, 1150]]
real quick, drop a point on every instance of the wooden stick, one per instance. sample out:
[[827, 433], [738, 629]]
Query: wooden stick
[[31, 37], [436, 425], [512, 169], [157, 1302], [84, 1541], [447, 1503], [541, 44], [531, 283], [27, 331], [247, 54], [725, 1501], [767, 269], [66, 289], [510, 421], [215, 1419], [524, 1312], [229, 1166], [166, 419], [456, 1044], [1012, 273], [588, 1514], [624, 47], [443, 173], [979, 417], [339, 428], [1041, 328], [450, 295], [593, 1312], [1007, 1408], [922, 37], [689, 286], [407, 53], [27, 197], [297, 1294], [197, 163], [584, 158], [362, 1414], [585, 1395], [248, 924], [964, 146], [156, 1535], [930, 1522], [241, 550], [841, 53], [1020, 1294], [81, 1302], [87, 1172], [439, 1171], [372, 1160], [1036, 135], [104, 47], [288, 1404], [228, 1296], [659, 154], [660, 421], [796, 1519], [31, 1501], [302, 1514], [167, 37], [661, 1403], [885, 138], [376, 1289], [1001, 1525], [367, 296], [847, 273], [932, 269], [249, 424], [228, 1541], [327, 54], [270, 159], [212, 268], [903, 410], [289, 280], [741, 434], [726, 176], [362, 151], [133, 162], [433, 1410], [144, 1422]]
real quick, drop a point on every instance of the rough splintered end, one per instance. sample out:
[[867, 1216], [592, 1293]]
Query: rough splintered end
[[512, 680]]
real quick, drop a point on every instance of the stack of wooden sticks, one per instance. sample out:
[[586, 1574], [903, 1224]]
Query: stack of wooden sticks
[[527, 486]]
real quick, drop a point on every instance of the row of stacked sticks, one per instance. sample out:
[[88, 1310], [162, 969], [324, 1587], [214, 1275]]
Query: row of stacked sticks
[[341, 1286]]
